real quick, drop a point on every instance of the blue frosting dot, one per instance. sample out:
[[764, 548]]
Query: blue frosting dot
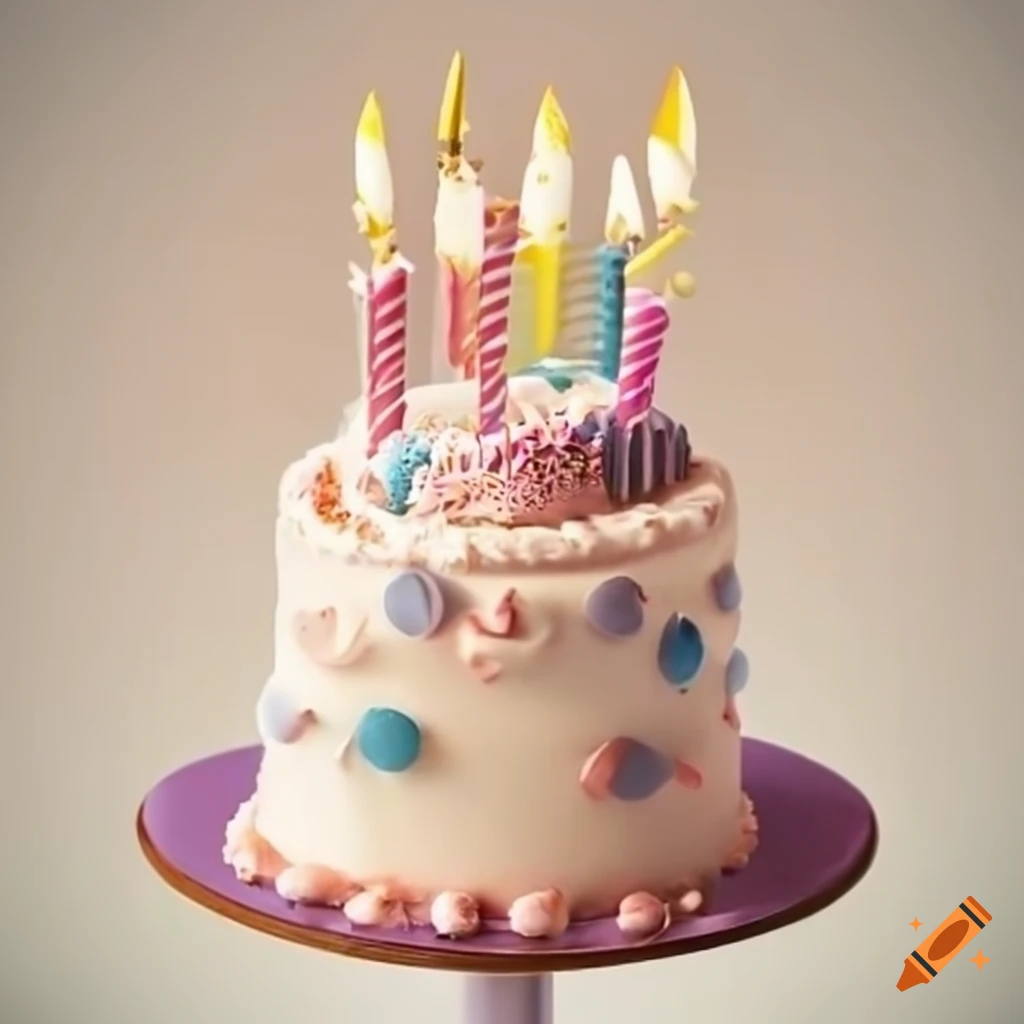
[[737, 672], [680, 652], [641, 773], [728, 591], [389, 740]]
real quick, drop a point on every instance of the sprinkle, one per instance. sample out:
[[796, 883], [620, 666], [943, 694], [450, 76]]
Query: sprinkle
[[414, 604], [737, 672], [278, 719], [728, 592]]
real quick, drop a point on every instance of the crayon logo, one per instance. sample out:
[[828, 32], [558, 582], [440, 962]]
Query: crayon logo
[[953, 935]]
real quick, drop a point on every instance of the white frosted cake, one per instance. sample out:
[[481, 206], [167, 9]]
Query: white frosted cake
[[503, 693]]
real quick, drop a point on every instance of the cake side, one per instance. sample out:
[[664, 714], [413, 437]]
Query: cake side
[[572, 725]]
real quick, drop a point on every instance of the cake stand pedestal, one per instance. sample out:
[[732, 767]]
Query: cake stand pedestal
[[817, 839]]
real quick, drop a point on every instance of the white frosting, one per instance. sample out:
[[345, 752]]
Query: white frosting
[[683, 514]]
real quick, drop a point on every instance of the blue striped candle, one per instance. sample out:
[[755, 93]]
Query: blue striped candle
[[612, 261]]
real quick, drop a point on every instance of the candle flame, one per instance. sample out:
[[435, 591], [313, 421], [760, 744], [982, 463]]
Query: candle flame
[[451, 124], [624, 221], [546, 198], [675, 122], [672, 150], [374, 206], [551, 130]]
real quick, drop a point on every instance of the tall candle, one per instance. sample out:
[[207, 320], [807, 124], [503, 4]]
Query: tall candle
[[382, 294], [671, 168], [646, 323], [501, 234], [545, 207], [623, 232], [458, 237]]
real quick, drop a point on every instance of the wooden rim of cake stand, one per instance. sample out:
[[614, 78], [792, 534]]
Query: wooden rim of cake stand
[[818, 836]]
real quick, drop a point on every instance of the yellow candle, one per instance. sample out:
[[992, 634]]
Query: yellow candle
[[545, 207]]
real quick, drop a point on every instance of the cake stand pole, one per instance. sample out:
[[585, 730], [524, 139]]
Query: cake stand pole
[[509, 999]]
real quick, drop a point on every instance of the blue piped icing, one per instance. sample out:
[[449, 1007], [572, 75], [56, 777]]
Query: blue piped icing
[[612, 304]]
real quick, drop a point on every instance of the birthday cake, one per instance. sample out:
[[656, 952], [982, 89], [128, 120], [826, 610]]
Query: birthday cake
[[504, 687]]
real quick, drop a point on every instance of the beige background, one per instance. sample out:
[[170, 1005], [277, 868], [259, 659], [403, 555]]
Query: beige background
[[174, 233]]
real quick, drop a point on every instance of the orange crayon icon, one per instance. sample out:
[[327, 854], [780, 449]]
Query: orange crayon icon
[[943, 944]]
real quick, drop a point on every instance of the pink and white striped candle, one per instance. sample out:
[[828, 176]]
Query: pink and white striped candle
[[501, 236], [386, 293], [645, 324]]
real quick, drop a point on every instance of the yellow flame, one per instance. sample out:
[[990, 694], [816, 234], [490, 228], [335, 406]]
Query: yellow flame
[[675, 123], [451, 123], [371, 121], [551, 127]]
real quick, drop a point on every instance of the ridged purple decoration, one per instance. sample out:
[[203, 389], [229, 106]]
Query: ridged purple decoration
[[640, 460]]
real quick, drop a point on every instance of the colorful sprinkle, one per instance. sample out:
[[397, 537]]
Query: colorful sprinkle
[[277, 717], [681, 651], [389, 740], [414, 604], [728, 591], [616, 607], [737, 672]]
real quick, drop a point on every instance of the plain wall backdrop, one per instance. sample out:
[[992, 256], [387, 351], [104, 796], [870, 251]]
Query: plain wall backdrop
[[175, 190]]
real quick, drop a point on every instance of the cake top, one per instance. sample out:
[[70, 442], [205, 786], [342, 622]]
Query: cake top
[[555, 343]]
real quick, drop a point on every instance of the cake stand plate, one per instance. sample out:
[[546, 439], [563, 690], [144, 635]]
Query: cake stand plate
[[817, 839]]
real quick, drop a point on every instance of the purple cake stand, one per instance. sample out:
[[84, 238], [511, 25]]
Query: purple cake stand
[[817, 839]]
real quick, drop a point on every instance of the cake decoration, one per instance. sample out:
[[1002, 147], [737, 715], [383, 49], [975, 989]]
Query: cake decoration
[[389, 739], [487, 639], [414, 604], [455, 915], [680, 652], [737, 672], [746, 842], [246, 852], [616, 607], [315, 885], [373, 908], [728, 591], [643, 916], [540, 915], [629, 770], [330, 636], [278, 720]]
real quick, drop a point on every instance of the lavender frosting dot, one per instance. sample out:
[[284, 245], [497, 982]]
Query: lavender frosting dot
[[278, 719], [615, 607], [414, 604], [737, 672], [680, 652], [728, 591], [641, 773]]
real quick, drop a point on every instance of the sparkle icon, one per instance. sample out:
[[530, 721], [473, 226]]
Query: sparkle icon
[[980, 960], [915, 924]]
